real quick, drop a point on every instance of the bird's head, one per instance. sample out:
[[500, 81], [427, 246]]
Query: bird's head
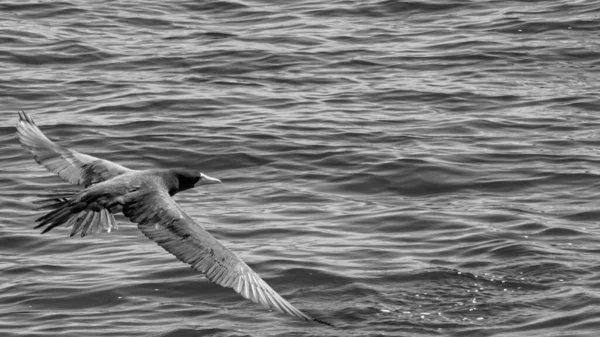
[[189, 179]]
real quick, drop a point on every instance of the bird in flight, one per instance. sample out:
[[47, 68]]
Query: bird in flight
[[146, 198]]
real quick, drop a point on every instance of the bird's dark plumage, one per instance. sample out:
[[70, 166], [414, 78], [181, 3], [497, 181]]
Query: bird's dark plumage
[[145, 197]]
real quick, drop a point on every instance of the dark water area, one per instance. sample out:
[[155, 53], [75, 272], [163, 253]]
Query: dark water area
[[398, 168]]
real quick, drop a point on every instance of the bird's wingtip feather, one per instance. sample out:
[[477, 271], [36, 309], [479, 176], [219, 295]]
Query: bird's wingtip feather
[[24, 117], [323, 322]]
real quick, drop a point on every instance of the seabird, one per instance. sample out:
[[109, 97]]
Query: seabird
[[146, 198]]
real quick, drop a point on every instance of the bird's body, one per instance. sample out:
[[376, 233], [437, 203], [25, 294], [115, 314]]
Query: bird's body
[[145, 197]]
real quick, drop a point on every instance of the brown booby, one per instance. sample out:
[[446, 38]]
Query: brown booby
[[146, 198]]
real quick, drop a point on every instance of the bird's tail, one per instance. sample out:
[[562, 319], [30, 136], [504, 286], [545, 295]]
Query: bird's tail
[[65, 210]]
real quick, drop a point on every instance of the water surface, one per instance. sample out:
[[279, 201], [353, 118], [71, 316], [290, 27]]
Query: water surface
[[424, 168]]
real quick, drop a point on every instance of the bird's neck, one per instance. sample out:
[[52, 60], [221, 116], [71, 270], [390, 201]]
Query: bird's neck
[[169, 181]]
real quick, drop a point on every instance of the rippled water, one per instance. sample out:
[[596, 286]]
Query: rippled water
[[397, 168]]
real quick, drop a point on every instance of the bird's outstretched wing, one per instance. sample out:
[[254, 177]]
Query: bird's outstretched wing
[[162, 220], [74, 167]]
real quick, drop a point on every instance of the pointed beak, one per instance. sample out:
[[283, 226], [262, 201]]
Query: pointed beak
[[209, 180]]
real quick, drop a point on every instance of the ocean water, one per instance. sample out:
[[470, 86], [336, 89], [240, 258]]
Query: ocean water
[[397, 168]]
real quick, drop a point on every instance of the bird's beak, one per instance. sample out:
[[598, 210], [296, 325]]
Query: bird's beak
[[206, 180]]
